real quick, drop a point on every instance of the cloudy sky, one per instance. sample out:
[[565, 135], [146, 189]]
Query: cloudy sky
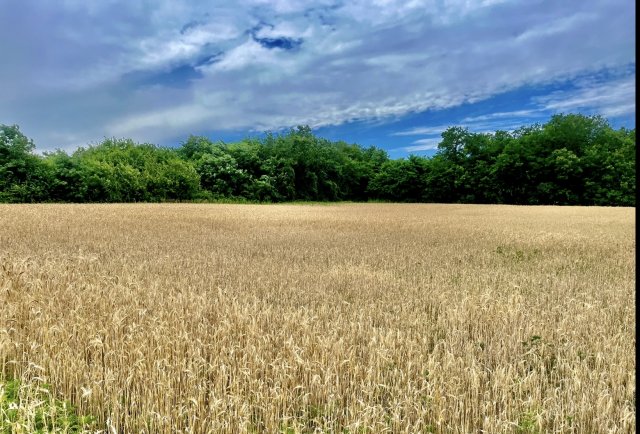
[[389, 73]]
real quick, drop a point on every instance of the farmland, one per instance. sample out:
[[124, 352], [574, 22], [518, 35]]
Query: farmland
[[321, 318]]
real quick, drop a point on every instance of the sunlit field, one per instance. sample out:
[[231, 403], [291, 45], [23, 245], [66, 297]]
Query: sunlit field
[[349, 318]]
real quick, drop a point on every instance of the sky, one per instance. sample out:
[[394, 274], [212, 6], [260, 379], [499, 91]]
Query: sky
[[388, 73]]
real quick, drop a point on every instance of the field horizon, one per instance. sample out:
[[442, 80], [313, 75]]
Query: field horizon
[[318, 318]]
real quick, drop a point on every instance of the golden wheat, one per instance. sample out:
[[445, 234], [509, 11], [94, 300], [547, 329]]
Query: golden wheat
[[339, 318]]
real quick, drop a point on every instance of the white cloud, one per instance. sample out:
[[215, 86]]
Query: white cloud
[[611, 96], [423, 145], [172, 117], [608, 98], [556, 27], [290, 29], [423, 131], [250, 53], [358, 60], [154, 53], [503, 115]]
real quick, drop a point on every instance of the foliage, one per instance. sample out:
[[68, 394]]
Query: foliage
[[571, 160], [29, 407], [22, 174]]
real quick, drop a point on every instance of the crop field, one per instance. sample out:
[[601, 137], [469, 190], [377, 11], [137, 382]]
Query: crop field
[[347, 318]]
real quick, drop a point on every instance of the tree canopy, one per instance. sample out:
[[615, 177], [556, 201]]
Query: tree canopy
[[573, 159]]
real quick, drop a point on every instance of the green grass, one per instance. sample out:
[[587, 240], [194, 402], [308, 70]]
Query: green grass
[[31, 408]]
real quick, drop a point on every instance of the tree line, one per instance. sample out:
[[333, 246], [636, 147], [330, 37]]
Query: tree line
[[572, 159]]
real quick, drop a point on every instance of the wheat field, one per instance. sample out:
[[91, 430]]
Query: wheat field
[[347, 318]]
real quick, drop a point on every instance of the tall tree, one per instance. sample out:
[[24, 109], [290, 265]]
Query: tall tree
[[23, 177]]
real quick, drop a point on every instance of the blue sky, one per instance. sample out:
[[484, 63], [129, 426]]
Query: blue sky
[[388, 73]]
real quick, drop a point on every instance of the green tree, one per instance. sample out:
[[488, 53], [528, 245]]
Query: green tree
[[402, 180], [23, 176], [195, 147], [220, 174], [572, 159]]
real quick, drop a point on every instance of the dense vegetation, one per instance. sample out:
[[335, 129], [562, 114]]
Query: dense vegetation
[[572, 159]]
